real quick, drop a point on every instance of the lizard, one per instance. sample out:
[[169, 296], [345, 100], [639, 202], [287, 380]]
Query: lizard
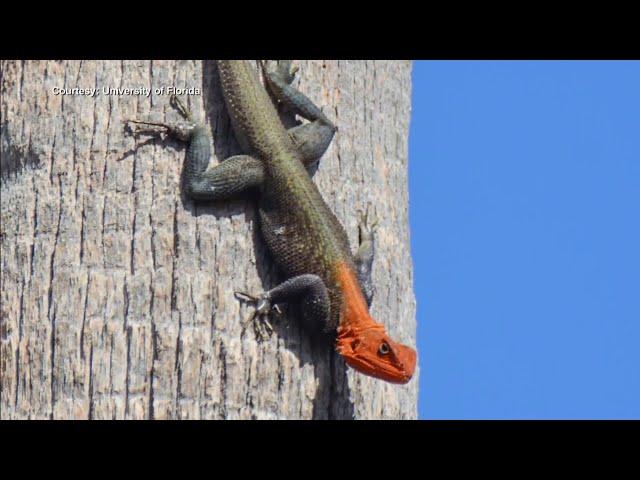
[[331, 284]]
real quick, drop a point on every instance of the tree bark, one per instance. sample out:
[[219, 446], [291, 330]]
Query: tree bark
[[117, 290]]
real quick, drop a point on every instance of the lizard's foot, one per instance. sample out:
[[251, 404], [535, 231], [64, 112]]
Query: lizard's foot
[[263, 307], [149, 127], [364, 256], [283, 71], [286, 71], [181, 130], [367, 225]]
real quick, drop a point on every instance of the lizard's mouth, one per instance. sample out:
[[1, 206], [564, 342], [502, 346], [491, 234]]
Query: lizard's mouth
[[392, 374], [397, 367]]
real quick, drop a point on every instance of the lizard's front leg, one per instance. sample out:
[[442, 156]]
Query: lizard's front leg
[[308, 290], [311, 139], [233, 176], [364, 256]]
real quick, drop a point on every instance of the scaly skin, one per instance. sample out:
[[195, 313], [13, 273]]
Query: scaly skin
[[301, 231], [304, 236]]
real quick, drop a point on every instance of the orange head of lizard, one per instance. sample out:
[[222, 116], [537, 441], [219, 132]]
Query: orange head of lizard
[[372, 352]]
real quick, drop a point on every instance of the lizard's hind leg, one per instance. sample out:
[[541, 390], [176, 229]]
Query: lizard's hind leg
[[279, 84], [311, 139], [233, 176]]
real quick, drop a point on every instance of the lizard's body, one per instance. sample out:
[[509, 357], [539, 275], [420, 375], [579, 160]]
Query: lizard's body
[[301, 231], [305, 238]]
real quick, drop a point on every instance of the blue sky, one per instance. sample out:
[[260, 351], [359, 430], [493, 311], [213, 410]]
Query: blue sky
[[525, 229]]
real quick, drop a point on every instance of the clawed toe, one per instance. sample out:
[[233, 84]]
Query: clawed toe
[[260, 316], [368, 222]]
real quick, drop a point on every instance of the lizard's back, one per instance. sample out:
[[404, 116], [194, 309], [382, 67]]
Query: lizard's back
[[301, 231]]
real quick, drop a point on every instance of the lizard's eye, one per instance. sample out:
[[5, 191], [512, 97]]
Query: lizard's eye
[[384, 348]]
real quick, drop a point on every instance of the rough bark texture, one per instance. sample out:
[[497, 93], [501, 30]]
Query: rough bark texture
[[117, 291]]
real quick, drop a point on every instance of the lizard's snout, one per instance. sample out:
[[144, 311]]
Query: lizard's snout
[[408, 358]]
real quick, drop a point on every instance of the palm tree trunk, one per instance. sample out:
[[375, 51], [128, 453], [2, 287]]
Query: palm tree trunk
[[117, 290]]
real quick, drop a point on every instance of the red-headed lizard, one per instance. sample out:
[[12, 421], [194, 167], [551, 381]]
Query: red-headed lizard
[[306, 240]]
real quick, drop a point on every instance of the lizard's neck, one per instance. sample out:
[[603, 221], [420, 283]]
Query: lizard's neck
[[364, 343], [354, 316]]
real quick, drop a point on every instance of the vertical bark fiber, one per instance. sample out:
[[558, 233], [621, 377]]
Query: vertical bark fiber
[[117, 290]]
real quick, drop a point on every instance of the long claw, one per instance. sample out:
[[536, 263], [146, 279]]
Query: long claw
[[365, 226], [151, 127], [245, 296], [268, 325], [374, 224], [178, 105], [263, 67]]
